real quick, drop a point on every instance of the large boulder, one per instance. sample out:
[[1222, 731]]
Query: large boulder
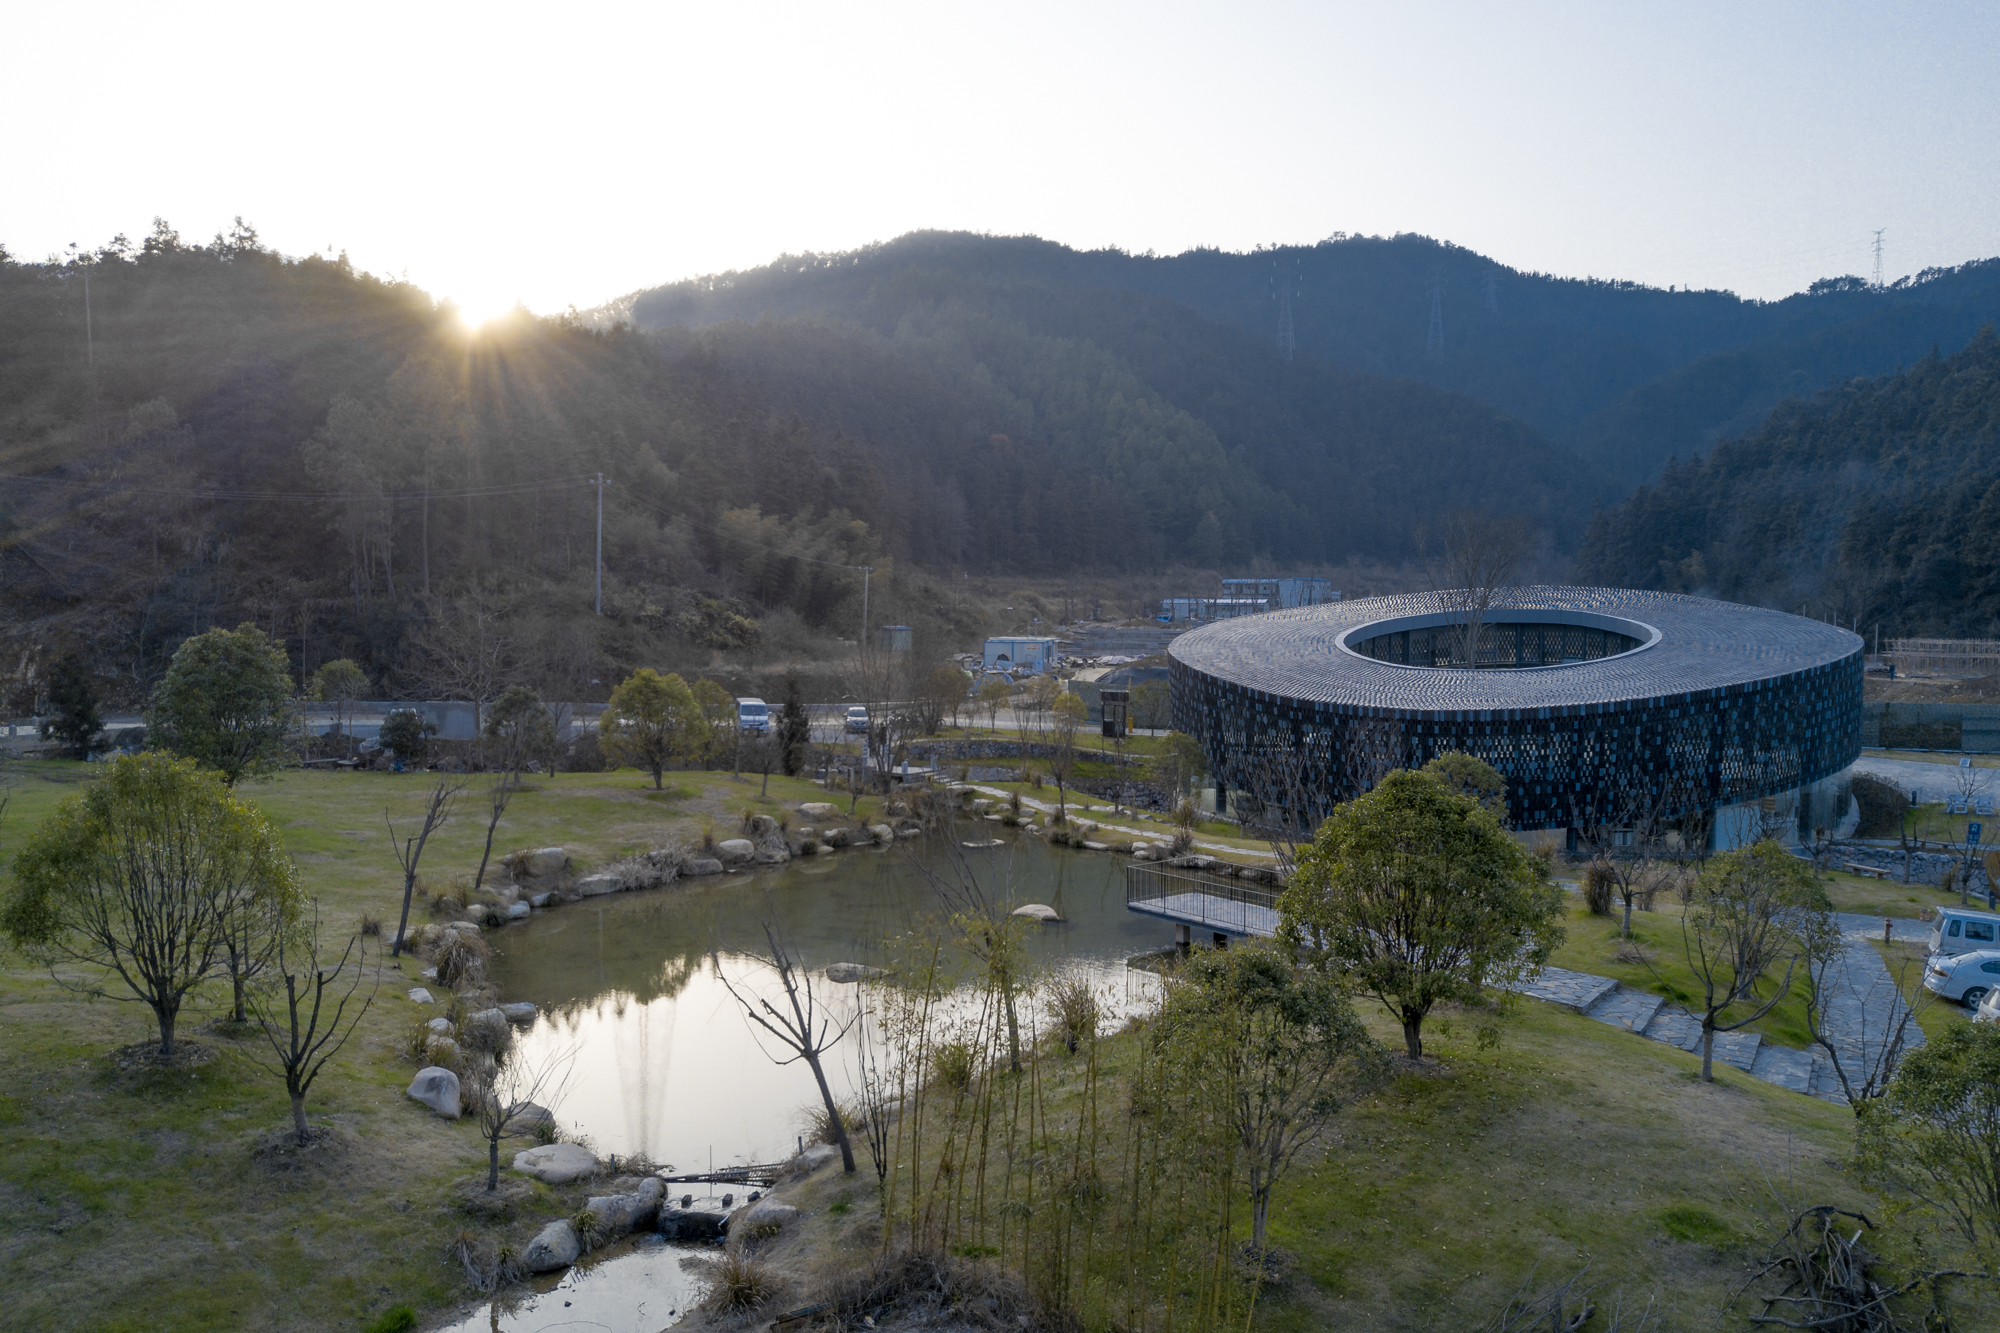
[[702, 865], [819, 811], [487, 1030], [517, 911], [850, 973], [593, 886], [521, 1012], [882, 833], [556, 1163], [619, 1213], [540, 863], [758, 1220], [704, 1223], [421, 996], [735, 851], [763, 826], [773, 855], [1041, 912], [554, 1246], [815, 1157], [437, 1088]]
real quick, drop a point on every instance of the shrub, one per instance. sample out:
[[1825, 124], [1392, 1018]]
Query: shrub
[[953, 1065], [741, 1284], [1598, 886], [1076, 1011], [371, 925], [460, 958], [395, 1319]]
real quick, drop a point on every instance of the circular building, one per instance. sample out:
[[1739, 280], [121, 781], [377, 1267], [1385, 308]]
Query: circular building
[[1601, 707]]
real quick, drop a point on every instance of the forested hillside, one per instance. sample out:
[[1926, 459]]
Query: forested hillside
[[1626, 375], [1876, 501], [216, 433], [240, 436]]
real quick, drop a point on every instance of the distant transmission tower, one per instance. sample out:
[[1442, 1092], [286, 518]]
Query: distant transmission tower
[[1434, 340], [1490, 284], [1282, 290], [1878, 257]]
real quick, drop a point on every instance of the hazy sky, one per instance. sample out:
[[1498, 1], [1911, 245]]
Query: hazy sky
[[566, 153]]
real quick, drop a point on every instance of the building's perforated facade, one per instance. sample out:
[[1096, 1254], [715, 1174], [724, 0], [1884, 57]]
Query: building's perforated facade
[[1698, 705]]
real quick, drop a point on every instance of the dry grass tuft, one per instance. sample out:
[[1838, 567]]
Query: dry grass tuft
[[918, 1287]]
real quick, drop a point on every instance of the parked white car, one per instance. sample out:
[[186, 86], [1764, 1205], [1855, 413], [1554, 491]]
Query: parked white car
[[857, 718], [1989, 1008], [1962, 930], [1965, 977]]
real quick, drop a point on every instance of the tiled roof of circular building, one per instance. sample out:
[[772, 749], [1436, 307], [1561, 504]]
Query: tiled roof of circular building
[[1703, 645]]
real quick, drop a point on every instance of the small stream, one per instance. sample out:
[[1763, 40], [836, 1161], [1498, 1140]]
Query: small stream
[[662, 1061]]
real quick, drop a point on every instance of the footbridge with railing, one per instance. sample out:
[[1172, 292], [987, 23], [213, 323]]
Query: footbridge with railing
[[1195, 901]]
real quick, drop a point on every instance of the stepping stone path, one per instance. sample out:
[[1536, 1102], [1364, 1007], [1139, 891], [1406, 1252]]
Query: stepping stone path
[[1863, 1002]]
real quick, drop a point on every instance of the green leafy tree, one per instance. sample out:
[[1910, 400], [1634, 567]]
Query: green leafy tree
[[406, 733], [651, 718], [226, 702], [73, 700], [1749, 910], [339, 682], [142, 876], [718, 709], [794, 729], [1418, 896], [1276, 1048], [992, 697], [1937, 1132], [1474, 779]]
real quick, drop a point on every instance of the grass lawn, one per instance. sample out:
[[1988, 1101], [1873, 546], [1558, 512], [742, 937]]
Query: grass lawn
[[153, 1201], [1654, 961], [1883, 897], [1569, 1143], [1946, 757]]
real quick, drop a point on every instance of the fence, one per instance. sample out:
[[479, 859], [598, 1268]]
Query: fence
[[1198, 899], [1947, 657]]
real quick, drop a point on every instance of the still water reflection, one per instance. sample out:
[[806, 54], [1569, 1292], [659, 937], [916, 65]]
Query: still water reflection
[[665, 1062]]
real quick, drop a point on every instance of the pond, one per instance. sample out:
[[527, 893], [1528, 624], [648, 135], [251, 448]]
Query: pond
[[665, 1063], [662, 1062]]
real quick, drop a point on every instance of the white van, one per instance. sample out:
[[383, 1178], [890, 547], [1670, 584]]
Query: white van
[[753, 716], [1961, 930]]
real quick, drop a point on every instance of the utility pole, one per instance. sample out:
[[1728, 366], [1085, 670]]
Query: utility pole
[[1434, 339], [600, 543], [1878, 257], [866, 570]]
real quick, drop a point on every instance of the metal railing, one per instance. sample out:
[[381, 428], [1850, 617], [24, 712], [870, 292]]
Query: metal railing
[[1199, 899]]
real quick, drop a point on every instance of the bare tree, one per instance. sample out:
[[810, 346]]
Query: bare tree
[[1469, 555], [305, 1034], [807, 1033], [1750, 910], [1624, 836], [1875, 1028], [410, 850], [514, 1096], [1065, 715], [1288, 799], [461, 652]]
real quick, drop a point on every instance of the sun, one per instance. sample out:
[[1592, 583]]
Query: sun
[[476, 311]]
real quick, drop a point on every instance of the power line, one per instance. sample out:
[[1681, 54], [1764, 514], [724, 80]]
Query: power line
[[469, 492]]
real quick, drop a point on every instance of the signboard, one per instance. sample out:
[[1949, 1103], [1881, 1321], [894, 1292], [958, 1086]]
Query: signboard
[[1972, 834]]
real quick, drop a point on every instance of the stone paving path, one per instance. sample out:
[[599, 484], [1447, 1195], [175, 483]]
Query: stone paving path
[[1078, 811], [1863, 1005]]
